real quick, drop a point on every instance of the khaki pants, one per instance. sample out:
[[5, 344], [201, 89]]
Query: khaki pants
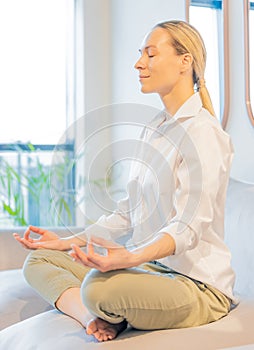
[[148, 297]]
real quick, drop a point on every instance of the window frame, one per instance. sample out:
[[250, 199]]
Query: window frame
[[225, 86], [248, 6], [214, 4]]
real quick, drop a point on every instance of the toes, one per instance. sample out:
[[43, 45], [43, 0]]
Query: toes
[[102, 330], [91, 327], [98, 336], [104, 335]]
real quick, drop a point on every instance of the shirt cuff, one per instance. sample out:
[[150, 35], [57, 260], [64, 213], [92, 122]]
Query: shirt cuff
[[183, 235]]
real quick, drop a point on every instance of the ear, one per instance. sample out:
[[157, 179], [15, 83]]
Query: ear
[[186, 62]]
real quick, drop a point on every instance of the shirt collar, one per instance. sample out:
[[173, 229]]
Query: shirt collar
[[190, 108]]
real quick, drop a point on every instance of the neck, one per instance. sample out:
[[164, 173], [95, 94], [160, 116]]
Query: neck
[[176, 98]]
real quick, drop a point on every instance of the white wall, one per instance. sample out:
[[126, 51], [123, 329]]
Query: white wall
[[131, 21], [96, 93], [97, 36], [239, 125]]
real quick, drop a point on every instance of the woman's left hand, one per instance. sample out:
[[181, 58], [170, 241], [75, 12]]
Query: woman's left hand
[[117, 257]]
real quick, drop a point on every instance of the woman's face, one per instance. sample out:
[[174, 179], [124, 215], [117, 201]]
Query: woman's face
[[159, 66]]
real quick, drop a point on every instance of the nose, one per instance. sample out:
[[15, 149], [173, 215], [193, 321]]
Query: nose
[[140, 63]]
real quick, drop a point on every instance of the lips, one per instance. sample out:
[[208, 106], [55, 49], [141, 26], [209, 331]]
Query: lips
[[143, 76]]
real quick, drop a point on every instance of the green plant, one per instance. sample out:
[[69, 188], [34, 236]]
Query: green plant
[[44, 192], [34, 192], [25, 191], [12, 202]]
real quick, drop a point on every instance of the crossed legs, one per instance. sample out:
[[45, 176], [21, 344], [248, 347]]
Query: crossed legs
[[148, 297], [151, 297]]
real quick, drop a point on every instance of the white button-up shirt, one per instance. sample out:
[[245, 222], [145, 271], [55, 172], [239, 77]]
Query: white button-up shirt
[[177, 186]]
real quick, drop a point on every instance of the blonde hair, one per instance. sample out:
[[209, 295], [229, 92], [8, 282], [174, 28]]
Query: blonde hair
[[186, 39]]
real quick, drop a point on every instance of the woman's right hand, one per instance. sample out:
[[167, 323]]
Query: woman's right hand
[[47, 239]]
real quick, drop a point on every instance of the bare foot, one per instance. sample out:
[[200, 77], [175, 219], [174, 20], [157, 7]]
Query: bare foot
[[103, 330]]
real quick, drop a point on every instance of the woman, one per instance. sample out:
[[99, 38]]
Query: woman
[[176, 271]]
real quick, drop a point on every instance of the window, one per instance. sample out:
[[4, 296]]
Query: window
[[215, 4], [251, 57], [200, 12], [36, 69], [33, 84]]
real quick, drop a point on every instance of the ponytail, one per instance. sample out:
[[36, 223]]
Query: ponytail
[[205, 96], [185, 38]]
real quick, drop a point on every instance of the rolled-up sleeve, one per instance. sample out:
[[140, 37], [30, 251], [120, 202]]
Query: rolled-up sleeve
[[112, 226], [201, 181]]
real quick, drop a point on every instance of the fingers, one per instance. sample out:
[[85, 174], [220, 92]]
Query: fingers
[[28, 244], [77, 250], [25, 237], [25, 243], [27, 234], [34, 229], [16, 236], [90, 249], [19, 239], [79, 256], [38, 230], [91, 259]]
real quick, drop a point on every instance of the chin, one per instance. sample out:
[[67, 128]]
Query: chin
[[146, 90]]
